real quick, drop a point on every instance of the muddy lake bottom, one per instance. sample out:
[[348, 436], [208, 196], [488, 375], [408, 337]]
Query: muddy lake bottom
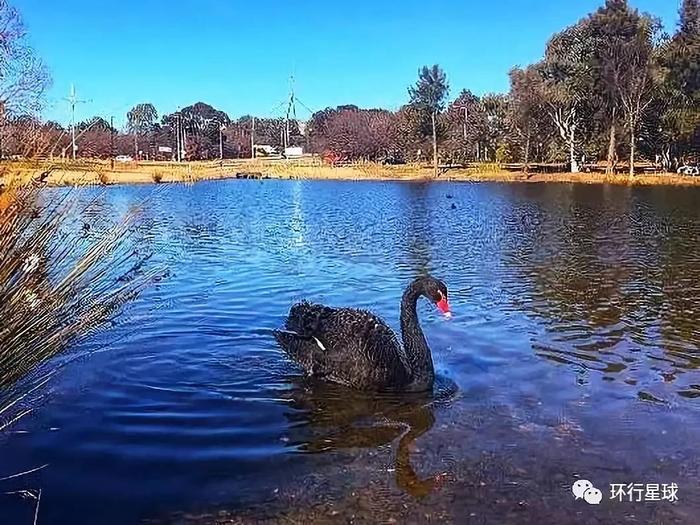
[[573, 353]]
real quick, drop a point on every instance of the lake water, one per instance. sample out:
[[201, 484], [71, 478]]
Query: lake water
[[573, 352]]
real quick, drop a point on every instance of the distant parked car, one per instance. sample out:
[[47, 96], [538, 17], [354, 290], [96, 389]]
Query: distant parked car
[[265, 150], [393, 160], [123, 158], [689, 170]]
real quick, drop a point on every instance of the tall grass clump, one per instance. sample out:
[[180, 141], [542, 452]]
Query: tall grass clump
[[66, 272]]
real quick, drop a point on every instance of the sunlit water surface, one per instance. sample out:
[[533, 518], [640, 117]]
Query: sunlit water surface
[[573, 352]]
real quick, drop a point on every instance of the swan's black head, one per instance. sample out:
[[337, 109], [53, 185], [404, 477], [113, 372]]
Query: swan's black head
[[435, 290]]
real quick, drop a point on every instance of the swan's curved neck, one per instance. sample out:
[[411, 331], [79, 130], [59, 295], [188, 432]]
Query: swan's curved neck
[[414, 343]]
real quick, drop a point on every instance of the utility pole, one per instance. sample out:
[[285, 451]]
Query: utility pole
[[291, 108], [252, 138], [221, 143], [178, 145], [73, 101], [111, 141]]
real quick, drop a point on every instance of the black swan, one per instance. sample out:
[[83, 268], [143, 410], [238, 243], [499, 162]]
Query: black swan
[[357, 349]]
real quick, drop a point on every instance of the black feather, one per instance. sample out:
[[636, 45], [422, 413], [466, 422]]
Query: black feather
[[358, 349]]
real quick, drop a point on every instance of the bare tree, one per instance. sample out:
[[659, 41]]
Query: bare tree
[[23, 77]]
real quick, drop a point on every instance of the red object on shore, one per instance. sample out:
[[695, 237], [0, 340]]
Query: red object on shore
[[331, 157]]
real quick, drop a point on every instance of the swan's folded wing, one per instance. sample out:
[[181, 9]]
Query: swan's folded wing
[[360, 348], [348, 346]]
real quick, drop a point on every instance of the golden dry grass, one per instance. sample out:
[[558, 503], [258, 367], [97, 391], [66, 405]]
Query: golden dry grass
[[95, 172]]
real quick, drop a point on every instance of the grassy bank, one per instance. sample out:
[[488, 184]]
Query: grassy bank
[[87, 172]]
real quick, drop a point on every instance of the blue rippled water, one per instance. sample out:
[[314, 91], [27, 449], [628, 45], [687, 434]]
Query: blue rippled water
[[573, 352]]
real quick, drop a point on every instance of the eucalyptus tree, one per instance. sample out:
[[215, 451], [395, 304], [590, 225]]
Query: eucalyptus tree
[[140, 121], [681, 60], [465, 120], [408, 132], [495, 107], [525, 109], [429, 94], [567, 85], [639, 86], [200, 130], [612, 29]]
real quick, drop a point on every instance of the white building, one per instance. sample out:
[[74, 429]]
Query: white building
[[293, 151]]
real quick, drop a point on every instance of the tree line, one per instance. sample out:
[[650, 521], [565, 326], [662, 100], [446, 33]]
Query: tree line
[[609, 90], [201, 131]]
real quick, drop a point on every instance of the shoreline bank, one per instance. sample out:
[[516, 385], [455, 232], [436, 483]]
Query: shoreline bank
[[101, 173]]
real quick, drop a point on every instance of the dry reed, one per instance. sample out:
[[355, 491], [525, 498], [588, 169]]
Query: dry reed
[[64, 275]]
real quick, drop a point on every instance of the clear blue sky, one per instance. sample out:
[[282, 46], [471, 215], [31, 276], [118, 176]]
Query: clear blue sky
[[238, 56]]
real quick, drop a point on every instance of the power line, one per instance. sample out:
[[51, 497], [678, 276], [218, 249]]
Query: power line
[[311, 111]]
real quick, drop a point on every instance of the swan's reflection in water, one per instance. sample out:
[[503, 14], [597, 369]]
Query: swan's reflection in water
[[326, 417]]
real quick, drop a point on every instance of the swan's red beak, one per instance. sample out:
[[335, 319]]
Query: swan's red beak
[[443, 306]]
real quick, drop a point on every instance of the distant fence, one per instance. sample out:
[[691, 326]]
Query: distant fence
[[599, 167]]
